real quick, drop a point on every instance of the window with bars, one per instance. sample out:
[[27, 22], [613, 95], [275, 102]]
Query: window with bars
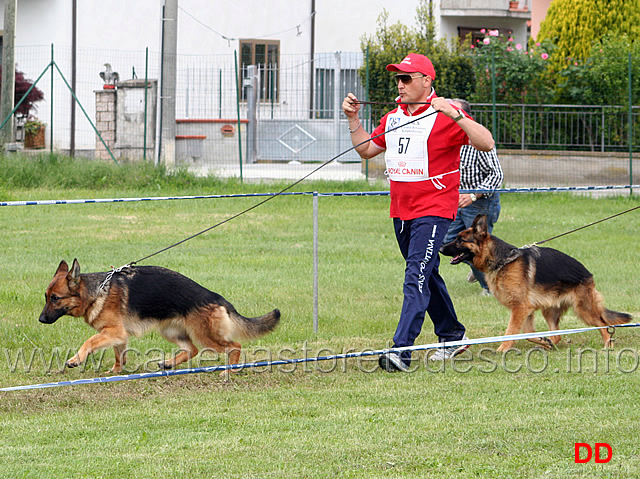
[[265, 54]]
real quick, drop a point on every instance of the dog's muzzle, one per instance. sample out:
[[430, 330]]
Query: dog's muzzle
[[52, 317]]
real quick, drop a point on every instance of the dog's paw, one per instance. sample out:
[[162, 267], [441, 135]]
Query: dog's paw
[[74, 362], [507, 345], [548, 344], [165, 365], [543, 343]]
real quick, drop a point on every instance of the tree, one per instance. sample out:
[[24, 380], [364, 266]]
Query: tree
[[603, 77], [388, 45], [27, 107], [426, 24], [391, 43], [520, 74], [574, 25]]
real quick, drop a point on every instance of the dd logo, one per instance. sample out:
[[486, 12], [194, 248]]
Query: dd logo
[[597, 447]]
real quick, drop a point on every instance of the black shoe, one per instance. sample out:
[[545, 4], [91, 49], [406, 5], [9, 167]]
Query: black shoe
[[392, 362]]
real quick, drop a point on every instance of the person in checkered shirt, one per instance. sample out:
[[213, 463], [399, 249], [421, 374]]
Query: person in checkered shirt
[[479, 170]]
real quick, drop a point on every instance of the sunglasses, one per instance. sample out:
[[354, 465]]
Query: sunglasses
[[406, 79]]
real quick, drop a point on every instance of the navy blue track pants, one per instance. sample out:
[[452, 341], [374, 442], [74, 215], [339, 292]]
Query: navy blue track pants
[[424, 289]]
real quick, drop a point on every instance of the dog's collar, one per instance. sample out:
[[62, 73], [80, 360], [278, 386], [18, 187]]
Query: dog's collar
[[110, 274]]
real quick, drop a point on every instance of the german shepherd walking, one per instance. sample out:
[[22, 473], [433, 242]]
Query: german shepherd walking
[[531, 278], [140, 298]]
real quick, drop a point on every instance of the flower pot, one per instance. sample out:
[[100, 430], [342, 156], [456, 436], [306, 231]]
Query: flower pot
[[34, 140]]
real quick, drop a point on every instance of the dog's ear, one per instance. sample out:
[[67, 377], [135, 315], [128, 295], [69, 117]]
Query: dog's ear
[[480, 226], [74, 275], [63, 267]]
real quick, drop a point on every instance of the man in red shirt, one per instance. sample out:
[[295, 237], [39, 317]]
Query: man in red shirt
[[422, 160]]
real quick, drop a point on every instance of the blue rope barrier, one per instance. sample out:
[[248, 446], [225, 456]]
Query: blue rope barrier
[[257, 364], [150, 198], [307, 193]]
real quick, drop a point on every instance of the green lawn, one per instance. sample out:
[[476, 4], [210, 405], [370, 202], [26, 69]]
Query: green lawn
[[484, 415]]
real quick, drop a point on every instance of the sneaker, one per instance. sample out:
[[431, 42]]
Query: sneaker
[[442, 354], [392, 362], [485, 292], [471, 278]]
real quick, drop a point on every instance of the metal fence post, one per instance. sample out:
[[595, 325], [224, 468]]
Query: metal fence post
[[235, 58], [367, 108], [493, 94], [602, 133], [146, 85], [337, 100], [630, 125], [250, 83], [315, 262], [51, 103], [522, 127]]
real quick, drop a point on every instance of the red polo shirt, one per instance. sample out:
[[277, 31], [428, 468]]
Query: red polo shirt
[[410, 200]]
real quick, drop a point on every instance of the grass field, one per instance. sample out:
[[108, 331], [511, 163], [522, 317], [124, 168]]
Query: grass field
[[485, 415]]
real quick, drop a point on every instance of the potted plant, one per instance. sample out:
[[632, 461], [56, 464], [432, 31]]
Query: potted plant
[[34, 133]]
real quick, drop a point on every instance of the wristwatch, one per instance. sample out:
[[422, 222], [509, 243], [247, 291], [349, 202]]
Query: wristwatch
[[460, 116], [473, 197]]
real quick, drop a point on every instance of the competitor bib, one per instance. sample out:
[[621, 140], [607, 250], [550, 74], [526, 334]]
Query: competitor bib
[[407, 157]]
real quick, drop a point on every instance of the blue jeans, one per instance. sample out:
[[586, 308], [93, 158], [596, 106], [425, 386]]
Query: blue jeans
[[489, 206], [424, 289]]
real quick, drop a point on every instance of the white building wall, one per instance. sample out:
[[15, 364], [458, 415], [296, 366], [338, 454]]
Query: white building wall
[[136, 24], [118, 31], [339, 24]]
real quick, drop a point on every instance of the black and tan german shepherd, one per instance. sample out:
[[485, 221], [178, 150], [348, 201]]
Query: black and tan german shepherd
[[531, 278], [141, 298]]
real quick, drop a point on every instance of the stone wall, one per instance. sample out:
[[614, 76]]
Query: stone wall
[[120, 120], [105, 122]]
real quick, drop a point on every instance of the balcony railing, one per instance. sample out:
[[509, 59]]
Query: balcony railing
[[485, 7]]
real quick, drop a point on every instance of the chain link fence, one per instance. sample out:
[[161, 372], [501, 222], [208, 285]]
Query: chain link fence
[[296, 122]]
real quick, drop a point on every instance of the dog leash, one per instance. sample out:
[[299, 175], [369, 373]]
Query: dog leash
[[279, 192], [581, 227], [363, 102], [113, 271]]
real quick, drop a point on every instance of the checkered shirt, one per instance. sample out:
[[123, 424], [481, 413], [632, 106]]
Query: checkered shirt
[[479, 170]]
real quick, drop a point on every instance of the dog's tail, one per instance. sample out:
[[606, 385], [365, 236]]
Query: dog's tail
[[593, 312], [614, 317], [250, 328]]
